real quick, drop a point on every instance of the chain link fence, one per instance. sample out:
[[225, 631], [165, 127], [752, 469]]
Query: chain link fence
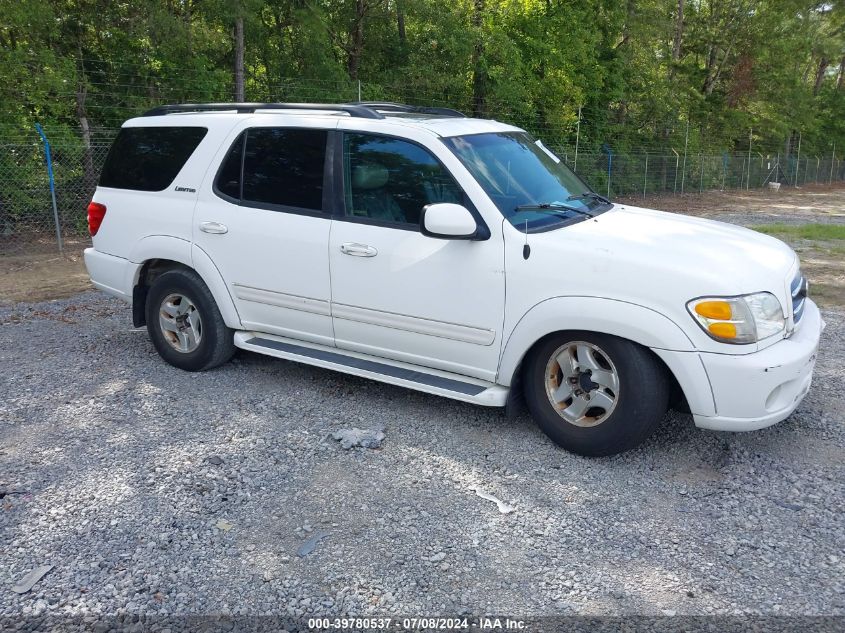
[[27, 222], [27, 219], [630, 174]]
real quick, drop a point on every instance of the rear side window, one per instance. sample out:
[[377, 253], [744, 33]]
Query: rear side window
[[149, 158], [276, 167], [229, 178]]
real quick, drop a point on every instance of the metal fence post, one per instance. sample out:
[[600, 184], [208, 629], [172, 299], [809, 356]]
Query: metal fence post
[[645, 176], [684, 168], [577, 140], [677, 158], [750, 137], [832, 158], [48, 155], [798, 159], [609, 151], [701, 178]]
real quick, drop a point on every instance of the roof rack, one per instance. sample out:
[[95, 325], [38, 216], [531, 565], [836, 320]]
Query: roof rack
[[359, 109], [354, 110], [387, 106]]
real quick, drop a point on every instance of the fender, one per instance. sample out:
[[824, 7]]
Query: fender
[[181, 251], [156, 247], [594, 314], [214, 280]]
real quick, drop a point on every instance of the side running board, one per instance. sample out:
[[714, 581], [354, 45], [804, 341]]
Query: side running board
[[397, 373]]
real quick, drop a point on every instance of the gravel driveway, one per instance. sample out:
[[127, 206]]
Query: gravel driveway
[[156, 491]]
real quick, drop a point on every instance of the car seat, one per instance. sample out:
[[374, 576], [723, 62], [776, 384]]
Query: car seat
[[370, 197]]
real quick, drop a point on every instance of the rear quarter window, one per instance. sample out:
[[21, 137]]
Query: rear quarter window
[[149, 158]]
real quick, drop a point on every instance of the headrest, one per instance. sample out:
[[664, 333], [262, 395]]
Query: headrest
[[370, 176]]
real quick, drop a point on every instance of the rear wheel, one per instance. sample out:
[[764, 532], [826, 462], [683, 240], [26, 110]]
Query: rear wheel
[[184, 323], [594, 394]]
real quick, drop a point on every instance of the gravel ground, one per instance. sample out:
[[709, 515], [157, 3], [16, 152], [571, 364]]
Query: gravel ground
[[154, 491]]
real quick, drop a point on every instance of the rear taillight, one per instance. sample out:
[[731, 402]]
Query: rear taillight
[[96, 213]]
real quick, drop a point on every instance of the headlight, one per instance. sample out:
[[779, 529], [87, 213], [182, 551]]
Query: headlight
[[739, 320]]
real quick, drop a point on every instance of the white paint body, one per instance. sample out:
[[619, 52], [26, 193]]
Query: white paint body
[[464, 308]]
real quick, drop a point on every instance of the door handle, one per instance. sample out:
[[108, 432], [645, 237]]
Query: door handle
[[358, 250], [213, 227]]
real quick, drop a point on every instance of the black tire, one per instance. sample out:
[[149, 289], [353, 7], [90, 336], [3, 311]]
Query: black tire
[[214, 346], [641, 399]]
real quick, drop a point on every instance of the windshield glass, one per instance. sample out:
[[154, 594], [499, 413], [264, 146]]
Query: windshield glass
[[518, 172]]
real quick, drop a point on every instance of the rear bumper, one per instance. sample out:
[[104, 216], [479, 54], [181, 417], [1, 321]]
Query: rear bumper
[[109, 273], [757, 390]]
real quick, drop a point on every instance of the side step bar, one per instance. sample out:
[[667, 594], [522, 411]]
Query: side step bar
[[432, 381]]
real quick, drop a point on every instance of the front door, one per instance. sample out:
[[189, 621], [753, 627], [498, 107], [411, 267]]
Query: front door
[[265, 224], [397, 293]]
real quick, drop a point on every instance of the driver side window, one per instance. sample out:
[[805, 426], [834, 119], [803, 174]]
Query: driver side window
[[390, 180]]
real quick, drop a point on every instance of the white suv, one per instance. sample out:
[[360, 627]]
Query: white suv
[[452, 255]]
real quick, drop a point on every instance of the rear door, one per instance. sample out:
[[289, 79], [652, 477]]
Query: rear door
[[265, 220]]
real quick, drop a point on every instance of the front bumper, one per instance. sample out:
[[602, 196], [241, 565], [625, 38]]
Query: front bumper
[[753, 391]]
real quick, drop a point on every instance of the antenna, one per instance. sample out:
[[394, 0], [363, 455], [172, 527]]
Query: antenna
[[526, 250]]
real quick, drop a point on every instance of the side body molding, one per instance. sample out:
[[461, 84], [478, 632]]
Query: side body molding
[[595, 314]]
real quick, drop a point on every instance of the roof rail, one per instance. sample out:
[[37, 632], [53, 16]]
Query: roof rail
[[352, 109], [387, 106]]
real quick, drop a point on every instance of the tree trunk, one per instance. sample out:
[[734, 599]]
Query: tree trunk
[[841, 81], [714, 66], [710, 70], [239, 60], [630, 12], [356, 43], [820, 73], [678, 40], [479, 72], [187, 17], [89, 173], [786, 172], [542, 115], [400, 24]]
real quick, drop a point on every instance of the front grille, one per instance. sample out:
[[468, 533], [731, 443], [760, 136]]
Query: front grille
[[799, 296]]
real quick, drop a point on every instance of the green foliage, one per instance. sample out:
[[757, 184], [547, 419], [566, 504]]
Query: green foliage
[[773, 66], [732, 72], [804, 231]]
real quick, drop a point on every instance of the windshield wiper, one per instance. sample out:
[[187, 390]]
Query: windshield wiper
[[553, 207], [589, 194]]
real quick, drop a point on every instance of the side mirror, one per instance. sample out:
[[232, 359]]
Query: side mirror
[[449, 221]]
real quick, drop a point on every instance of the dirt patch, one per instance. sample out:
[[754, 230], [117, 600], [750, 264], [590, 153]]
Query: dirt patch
[[808, 203], [41, 277]]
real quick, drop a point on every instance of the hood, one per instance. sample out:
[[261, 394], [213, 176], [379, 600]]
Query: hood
[[730, 259], [654, 259]]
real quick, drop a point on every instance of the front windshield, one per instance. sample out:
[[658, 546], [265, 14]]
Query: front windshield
[[518, 172]]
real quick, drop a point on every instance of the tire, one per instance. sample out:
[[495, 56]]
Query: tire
[[184, 323], [619, 394]]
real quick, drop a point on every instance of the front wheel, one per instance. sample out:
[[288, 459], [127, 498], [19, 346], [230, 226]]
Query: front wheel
[[184, 323], [594, 394]]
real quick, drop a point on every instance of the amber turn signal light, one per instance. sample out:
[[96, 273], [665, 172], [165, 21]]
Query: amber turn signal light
[[720, 310]]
